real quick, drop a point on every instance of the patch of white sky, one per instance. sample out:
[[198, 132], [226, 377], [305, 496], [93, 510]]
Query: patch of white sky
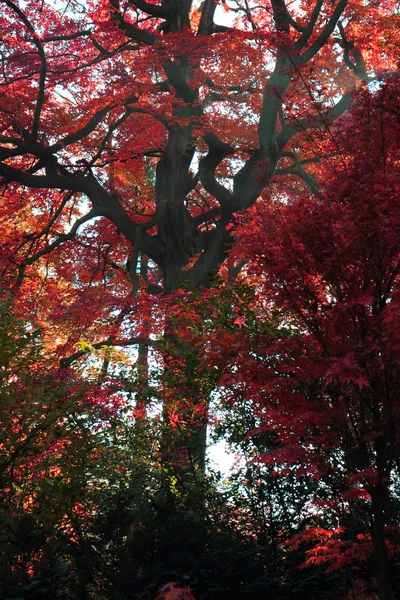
[[221, 457]]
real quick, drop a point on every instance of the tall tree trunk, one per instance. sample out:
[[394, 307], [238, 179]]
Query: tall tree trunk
[[183, 446], [378, 518], [185, 409], [142, 397]]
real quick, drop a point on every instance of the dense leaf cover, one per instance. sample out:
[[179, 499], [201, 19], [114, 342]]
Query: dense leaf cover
[[325, 381], [199, 226]]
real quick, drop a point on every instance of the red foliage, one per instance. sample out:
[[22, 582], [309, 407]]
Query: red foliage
[[330, 266], [171, 591], [326, 381], [105, 110]]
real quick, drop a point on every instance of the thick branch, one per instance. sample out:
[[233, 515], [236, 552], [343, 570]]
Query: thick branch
[[271, 108], [81, 133], [206, 216], [105, 204], [213, 255], [63, 237], [358, 67], [53, 181], [32, 238], [66, 37], [155, 10], [147, 110], [218, 150], [298, 170], [66, 362], [207, 17], [135, 33], [325, 35], [281, 15], [316, 120], [303, 39]]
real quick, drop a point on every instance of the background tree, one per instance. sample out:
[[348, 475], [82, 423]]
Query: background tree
[[46, 445]]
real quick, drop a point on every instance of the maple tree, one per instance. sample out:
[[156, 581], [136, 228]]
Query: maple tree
[[45, 451], [325, 381], [123, 136], [83, 505]]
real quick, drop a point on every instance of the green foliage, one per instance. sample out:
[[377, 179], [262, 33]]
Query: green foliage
[[45, 444]]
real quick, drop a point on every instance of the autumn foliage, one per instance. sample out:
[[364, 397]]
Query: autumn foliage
[[325, 382], [199, 226]]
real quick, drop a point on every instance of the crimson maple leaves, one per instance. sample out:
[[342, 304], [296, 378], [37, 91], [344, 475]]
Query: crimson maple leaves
[[326, 382]]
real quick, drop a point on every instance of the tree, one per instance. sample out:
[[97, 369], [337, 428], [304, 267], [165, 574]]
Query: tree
[[325, 383], [279, 514], [83, 506], [46, 447], [157, 161]]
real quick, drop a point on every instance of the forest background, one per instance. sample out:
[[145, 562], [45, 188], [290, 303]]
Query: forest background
[[200, 238]]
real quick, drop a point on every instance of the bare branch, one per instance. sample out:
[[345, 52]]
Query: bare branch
[[43, 68]]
